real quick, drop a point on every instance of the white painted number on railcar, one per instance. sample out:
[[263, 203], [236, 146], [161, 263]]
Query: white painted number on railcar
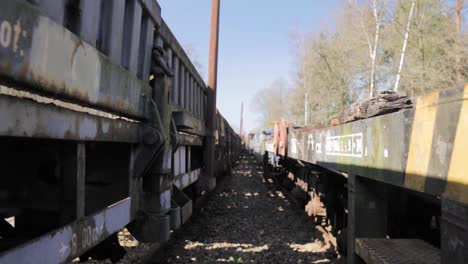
[[293, 146], [11, 34], [347, 145], [89, 237], [310, 142], [318, 147]]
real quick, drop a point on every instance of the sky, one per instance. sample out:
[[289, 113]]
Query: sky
[[254, 44]]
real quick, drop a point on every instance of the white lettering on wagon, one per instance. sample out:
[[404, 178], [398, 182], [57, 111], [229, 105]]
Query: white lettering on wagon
[[10, 36], [293, 146], [310, 142], [347, 145], [89, 237], [318, 148]]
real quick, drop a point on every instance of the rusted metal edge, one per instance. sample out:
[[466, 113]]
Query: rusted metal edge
[[64, 244], [26, 118], [186, 179], [189, 139], [153, 9], [167, 35], [4, 90], [45, 57]]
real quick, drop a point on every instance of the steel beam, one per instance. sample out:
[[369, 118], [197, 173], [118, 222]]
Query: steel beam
[[46, 57], [189, 139], [65, 244], [26, 118]]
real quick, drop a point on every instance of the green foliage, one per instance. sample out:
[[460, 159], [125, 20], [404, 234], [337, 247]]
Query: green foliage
[[334, 68]]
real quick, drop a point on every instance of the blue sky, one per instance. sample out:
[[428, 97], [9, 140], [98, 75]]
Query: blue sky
[[254, 43]]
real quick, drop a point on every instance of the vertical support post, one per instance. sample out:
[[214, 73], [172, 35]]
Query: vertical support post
[[112, 29], [210, 181], [454, 232], [153, 221], [169, 55], [199, 104], [187, 90], [146, 45], [134, 182], [182, 86], [88, 26], [190, 94], [73, 163], [175, 80], [177, 159], [194, 97], [195, 91], [189, 159], [204, 106], [132, 26], [183, 159], [367, 212], [80, 179]]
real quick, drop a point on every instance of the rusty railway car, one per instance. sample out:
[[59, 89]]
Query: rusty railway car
[[102, 126], [392, 187]]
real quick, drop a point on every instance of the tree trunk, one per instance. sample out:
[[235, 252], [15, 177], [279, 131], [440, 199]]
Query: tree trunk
[[458, 41], [377, 18], [403, 49], [372, 48]]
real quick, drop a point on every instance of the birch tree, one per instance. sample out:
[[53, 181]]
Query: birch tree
[[403, 49], [372, 43], [458, 40]]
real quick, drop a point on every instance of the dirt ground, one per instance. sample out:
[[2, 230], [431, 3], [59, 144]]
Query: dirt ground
[[248, 219]]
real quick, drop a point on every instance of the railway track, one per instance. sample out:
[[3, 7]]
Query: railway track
[[248, 218]]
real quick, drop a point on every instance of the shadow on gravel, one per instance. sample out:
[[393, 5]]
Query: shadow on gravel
[[248, 220]]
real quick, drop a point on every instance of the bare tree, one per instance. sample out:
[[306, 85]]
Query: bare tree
[[377, 11], [271, 103], [403, 49], [366, 50], [458, 40]]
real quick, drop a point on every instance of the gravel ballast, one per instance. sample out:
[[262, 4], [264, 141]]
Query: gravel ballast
[[248, 219]]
